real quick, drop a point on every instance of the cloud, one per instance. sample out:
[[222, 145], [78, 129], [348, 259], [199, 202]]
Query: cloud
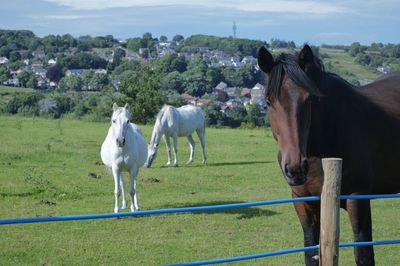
[[291, 6]]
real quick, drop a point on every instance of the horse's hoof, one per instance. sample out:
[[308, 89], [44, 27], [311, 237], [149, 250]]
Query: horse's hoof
[[189, 162]]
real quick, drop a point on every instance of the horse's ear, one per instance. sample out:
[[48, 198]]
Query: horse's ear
[[126, 106], [115, 106], [265, 60], [305, 57]]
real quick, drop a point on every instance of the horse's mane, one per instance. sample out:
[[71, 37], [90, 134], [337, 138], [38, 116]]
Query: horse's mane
[[319, 82], [286, 64], [161, 112]]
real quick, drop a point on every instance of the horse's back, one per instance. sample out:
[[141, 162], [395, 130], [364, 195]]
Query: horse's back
[[385, 93], [105, 151], [191, 118], [139, 146]]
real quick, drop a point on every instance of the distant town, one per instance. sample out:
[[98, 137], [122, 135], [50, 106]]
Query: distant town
[[200, 70]]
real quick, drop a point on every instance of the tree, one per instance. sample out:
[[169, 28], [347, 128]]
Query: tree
[[119, 54], [32, 82], [98, 81], [172, 81], [238, 116], [134, 44], [254, 115], [214, 116], [55, 73], [4, 73], [70, 83], [144, 94], [178, 39], [163, 38], [173, 62], [23, 78], [15, 56]]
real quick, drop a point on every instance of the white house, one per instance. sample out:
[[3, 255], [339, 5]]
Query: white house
[[3, 60], [52, 62]]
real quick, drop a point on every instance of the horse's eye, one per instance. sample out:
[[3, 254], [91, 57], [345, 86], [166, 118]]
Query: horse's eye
[[114, 121], [268, 103], [128, 121]]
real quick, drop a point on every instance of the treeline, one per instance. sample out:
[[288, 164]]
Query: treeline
[[375, 55], [228, 45], [16, 40]]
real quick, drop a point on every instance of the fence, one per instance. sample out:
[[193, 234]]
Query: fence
[[221, 207]]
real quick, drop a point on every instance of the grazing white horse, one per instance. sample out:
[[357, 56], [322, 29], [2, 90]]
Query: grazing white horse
[[177, 122], [124, 149]]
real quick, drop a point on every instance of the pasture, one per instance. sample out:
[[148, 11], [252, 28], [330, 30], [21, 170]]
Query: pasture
[[52, 167]]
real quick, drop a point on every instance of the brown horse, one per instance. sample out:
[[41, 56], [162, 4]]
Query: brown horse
[[316, 114]]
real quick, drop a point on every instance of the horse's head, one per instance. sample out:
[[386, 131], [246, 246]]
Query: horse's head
[[120, 120], [152, 154], [289, 96]]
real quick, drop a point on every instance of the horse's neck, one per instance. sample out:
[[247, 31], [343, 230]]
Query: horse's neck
[[340, 113], [158, 132]]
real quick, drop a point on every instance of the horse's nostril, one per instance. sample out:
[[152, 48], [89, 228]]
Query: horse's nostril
[[287, 170]]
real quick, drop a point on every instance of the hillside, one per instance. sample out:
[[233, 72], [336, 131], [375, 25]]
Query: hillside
[[340, 62]]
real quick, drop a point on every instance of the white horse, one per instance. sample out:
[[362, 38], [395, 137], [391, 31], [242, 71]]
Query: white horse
[[124, 149], [177, 122]]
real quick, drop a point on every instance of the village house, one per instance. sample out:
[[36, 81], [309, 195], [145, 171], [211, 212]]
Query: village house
[[132, 55], [3, 60], [249, 60], [106, 55], [257, 95], [74, 72], [52, 62], [39, 54], [384, 69]]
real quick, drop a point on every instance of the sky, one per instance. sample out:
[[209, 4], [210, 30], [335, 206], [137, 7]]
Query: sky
[[303, 21]]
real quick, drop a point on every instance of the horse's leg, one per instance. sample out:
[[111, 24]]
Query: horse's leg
[[201, 134], [168, 145], [134, 172], [360, 217], [175, 139], [309, 216], [117, 175], [122, 187], [191, 145]]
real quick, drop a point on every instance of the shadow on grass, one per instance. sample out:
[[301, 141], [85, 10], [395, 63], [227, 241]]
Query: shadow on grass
[[21, 194], [243, 213], [222, 164]]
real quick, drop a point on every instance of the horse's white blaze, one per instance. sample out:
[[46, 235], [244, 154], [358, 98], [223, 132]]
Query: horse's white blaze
[[124, 149], [177, 122]]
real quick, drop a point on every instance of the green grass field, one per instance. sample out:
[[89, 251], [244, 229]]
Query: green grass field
[[345, 63], [44, 167]]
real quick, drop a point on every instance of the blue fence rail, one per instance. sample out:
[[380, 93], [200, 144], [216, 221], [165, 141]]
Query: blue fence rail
[[282, 252], [215, 208], [182, 210]]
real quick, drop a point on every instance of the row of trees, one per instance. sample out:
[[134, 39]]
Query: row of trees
[[12, 41], [376, 55], [229, 45], [97, 106]]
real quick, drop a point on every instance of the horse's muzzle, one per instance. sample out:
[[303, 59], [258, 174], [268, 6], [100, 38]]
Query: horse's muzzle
[[296, 176], [121, 143]]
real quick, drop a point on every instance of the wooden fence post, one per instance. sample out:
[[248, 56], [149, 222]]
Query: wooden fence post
[[330, 210]]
